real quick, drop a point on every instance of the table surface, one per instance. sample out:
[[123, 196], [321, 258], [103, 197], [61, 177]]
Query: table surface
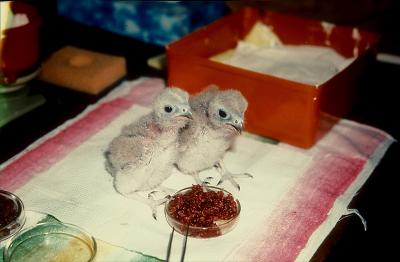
[[377, 106]]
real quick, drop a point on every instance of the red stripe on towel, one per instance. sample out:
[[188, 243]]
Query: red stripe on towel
[[304, 209], [56, 147]]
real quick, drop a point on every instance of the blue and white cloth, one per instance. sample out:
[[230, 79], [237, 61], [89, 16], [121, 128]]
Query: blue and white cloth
[[157, 22]]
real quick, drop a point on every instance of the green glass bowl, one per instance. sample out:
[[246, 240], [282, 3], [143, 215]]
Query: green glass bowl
[[51, 242]]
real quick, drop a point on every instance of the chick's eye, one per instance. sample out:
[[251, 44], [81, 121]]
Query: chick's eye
[[168, 109], [222, 113]]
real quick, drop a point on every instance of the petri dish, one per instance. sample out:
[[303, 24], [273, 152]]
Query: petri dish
[[55, 242], [204, 209], [12, 215]]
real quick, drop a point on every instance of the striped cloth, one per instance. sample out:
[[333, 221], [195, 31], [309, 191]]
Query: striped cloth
[[294, 200]]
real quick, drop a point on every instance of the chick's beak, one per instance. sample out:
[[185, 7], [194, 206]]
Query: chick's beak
[[238, 128], [190, 116], [186, 113], [237, 124]]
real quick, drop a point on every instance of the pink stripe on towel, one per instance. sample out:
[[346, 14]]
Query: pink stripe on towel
[[304, 209], [56, 147]]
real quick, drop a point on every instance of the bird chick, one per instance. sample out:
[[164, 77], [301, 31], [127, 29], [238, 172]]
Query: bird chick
[[218, 118], [142, 156]]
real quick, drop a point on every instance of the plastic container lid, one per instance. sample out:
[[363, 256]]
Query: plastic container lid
[[51, 242]]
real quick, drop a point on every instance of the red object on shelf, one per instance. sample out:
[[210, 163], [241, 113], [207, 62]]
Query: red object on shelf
[[19, 48], [282, 109]]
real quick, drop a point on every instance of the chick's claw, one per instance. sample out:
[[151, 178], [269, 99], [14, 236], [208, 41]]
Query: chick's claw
[[231, 178], [207, 181], [155, 203], [162, 190], [228, 176]]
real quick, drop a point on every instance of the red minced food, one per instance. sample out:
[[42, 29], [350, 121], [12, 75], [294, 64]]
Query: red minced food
[[202, 208], [9, 212]]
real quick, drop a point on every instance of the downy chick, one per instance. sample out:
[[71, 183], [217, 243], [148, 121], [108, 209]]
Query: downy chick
[[218, 118], [142, 156]]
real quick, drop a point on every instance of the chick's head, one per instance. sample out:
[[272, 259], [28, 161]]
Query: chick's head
[[171, 108], [226, 111]]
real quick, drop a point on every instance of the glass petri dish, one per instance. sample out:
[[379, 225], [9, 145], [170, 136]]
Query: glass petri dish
[[54, 242], [12, 215], [217, 228]]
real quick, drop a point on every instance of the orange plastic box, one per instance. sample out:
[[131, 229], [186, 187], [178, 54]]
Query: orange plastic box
[[282, 109]]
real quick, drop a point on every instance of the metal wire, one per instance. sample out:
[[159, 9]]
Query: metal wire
[[184, 245], [171, 237]]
